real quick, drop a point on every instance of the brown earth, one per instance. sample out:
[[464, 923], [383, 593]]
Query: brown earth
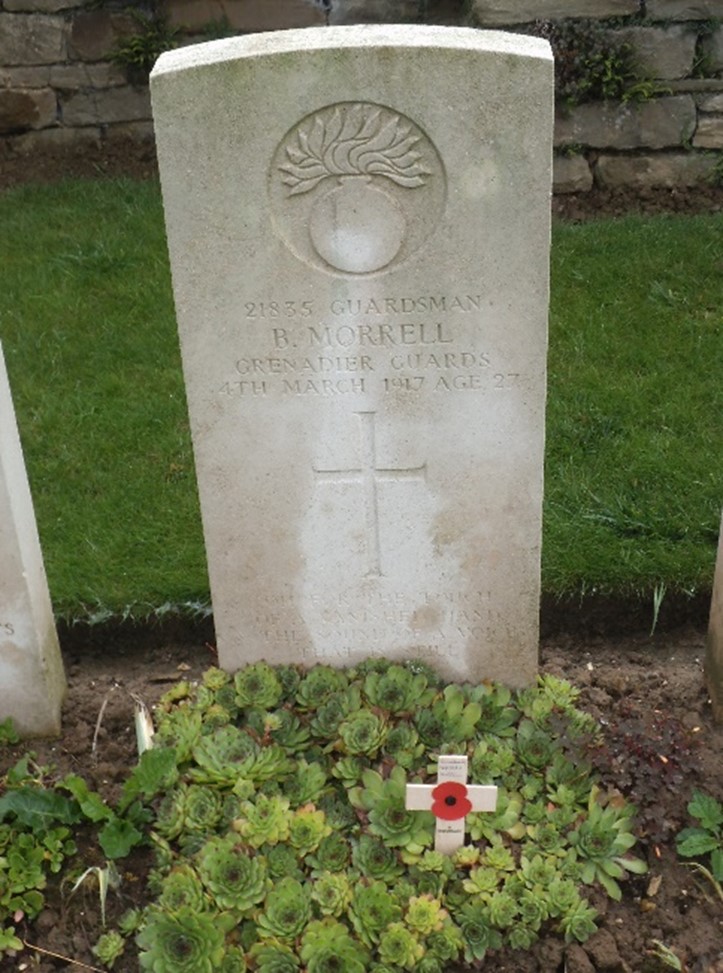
[[648, 695]]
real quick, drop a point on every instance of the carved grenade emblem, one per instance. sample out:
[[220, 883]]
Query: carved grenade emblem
[[356, 165]]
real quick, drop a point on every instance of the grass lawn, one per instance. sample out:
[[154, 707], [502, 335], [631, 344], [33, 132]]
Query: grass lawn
[[634, 473]]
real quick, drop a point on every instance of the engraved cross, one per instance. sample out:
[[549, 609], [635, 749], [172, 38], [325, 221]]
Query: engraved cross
[[368, 474]]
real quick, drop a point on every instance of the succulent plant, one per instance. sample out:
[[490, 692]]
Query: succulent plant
[[264, 820], [363, 733], [258, 686], [307, 827], [399, 947], [332, 855], [425, 915], [372, 909], [388, 816], [181, 889], [332, 892], [235, 879], [318, 684], [327, 947], [335, 709], [285, 912], [182, 942], [397, 690], [402, 744], [578, 922], [289, 732], [306, 784], [374, 859], [281, 860], [224, 756], [479, 935], [109, 948], [277, 824], [601, 842], [234, 961], [273, 957]]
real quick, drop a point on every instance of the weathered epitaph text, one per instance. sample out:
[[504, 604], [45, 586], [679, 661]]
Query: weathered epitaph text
[[360, 267]]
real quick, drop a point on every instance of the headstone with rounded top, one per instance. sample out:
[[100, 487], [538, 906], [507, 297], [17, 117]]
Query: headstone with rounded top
[[358, 225]]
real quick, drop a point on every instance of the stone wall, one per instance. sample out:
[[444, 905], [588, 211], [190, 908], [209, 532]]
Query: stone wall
[[59, 84]]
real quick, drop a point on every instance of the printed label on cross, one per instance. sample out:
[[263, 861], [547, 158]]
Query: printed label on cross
[[368, 475], [450, 800]]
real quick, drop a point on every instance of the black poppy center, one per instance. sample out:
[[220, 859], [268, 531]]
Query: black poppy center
[[450, 801]]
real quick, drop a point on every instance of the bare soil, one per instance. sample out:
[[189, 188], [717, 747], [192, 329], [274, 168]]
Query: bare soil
[[648, 694]]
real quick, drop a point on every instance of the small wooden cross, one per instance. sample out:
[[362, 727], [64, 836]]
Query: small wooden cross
[[450, 800]]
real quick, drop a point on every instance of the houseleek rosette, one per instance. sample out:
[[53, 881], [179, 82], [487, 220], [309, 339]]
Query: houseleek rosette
[[257, 686], [372, 910], [182, 942], [285, 912], [235, 879]]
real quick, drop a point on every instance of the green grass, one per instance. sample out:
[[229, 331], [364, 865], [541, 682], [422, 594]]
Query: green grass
[[634, 480]]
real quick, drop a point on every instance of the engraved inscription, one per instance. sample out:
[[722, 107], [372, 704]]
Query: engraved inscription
[[7, 629], [368, 475], [376, 345], [356, 188]]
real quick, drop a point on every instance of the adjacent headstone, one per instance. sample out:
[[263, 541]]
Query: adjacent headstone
[[714, 644], [32, 682], [358, 224]]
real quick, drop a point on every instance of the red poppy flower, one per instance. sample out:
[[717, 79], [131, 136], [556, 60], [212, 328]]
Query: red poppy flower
[[450, 801]]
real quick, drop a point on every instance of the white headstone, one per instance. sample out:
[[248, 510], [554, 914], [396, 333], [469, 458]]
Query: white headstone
[[32, 682], [714, 644], [358, 224]]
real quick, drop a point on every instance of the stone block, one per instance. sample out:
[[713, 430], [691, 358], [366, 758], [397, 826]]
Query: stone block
[[104, 74], [571, 174], [21, 110], [32, 682], [373, 11], [683, 9], [52, 140], [656, 124], [104, 107], [711, 103], [243, 16], [497, 13], [31, 39], [712, 50], [360, 266], [709, 133], [95, 33], [714, 642], [39, 6], [36, 76], [660, 52], [664, 169]]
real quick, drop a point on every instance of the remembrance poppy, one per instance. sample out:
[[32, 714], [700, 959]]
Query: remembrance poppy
[[450, 801]]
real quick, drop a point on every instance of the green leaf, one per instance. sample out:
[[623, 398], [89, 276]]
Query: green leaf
[[38, 809], [707, 810], [716, 864], [156, 771], [694, 842], [91, 804], [118, 837]]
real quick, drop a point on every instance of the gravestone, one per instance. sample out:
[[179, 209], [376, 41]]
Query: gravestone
[[358, 226], [714, 643], [32, 682]]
